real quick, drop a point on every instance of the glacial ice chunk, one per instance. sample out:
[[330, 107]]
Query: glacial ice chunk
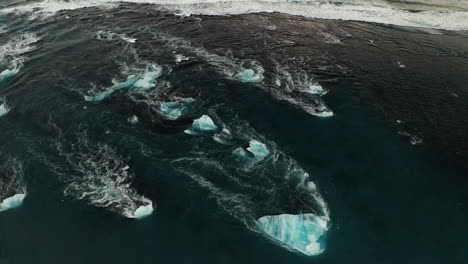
[[131, 80], [202, 124], [7, 74], [258, 149], [12, 202], [249, 76], [4, 109], [143, 211], [316, 89], [303, 233], [240, 152]]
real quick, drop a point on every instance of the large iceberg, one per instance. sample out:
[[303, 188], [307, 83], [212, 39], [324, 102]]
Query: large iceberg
[[249, 76], [202, 124], [303, 233], [6, 74], [12, 202], [258, 149]]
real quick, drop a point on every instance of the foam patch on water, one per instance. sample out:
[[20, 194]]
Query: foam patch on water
[[369, 11], [108, 35], [98, 175], [12, 53], [176, 109], [133, 120], [300, 233], [12, 185]]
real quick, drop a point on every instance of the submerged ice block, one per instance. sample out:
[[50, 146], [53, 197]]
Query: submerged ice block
[[6, 74], [131, 80], [12, 202], [249, 76], [301, 232], [316, 89]]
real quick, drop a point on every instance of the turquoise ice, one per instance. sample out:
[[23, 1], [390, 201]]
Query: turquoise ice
[[249, 76], [12, 202], [174, 110], [203, 124], [258, 149], [131, 80], [143, 211], [7, 74], [303, 233], [315, 89], [4, 109]]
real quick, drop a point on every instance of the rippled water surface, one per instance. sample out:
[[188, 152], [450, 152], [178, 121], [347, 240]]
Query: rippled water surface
[[233, 132]]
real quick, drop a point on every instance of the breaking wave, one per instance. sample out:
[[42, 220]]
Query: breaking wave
[[12, 53], [369, 11], [97, 174]]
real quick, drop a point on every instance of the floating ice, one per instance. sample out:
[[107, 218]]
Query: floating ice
[[133, 119], [4, 109], [202, 124], [7, 74], [131, 80], [143, 211], [302, 233], [12, 202], [315, 89], [129, 40], [174, 110], [249, 76], [240, 152], [223, 136], [258, 149]]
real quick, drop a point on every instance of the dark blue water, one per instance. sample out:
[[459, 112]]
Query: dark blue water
[[394, 191]]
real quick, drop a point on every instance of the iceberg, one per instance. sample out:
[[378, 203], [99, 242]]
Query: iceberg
[[143, 211], [240, 152], [316, 89], [4, 109], [249, 76], [12, 202], [258, 149], [131, 80], [7, 74], [202, 124], [303, 233]]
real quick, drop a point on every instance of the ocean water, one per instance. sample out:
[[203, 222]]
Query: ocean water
[[233, 132]]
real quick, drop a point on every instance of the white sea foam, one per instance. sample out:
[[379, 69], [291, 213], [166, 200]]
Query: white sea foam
[[12, 185], [12, 53], [108, 35], [369, 11], [95, 173]]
